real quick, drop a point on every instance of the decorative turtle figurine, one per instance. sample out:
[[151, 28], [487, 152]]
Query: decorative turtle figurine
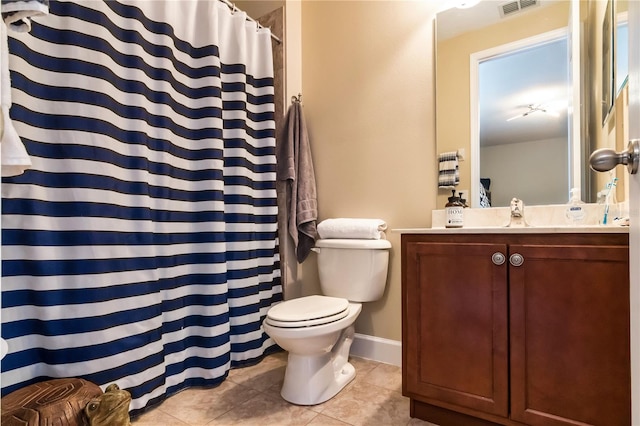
[[109, 409], [66, 402], [52, 402]]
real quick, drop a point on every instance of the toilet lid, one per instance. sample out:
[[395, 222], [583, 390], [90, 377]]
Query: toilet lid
[[308, 311]]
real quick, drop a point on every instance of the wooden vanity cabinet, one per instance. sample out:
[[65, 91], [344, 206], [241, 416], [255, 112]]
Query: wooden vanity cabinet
[[542, 343]]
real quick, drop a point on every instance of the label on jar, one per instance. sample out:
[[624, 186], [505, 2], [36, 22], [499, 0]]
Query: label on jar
[[454, 216]]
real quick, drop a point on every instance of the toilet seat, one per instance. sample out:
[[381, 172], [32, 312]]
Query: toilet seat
[[308, 311]]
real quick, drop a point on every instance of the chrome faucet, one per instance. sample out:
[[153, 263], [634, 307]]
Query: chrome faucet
[[517, 213], [517, 208]]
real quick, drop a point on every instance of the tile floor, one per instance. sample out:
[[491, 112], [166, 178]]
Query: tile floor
[[251, 396]]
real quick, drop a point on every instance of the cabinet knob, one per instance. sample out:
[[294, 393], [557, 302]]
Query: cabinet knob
[[498, 258], [516, 259]]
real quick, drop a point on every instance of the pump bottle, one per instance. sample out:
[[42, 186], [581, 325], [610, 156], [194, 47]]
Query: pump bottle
[[454, 212], [575, 211]]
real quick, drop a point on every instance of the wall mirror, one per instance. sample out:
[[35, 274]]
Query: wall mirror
[[608, 79], [621, 35], [506, 83]]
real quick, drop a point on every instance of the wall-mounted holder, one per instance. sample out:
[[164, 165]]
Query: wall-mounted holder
[[605, 159]]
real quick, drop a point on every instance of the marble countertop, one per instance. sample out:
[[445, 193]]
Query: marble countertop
[[541, 220], [595, 229]]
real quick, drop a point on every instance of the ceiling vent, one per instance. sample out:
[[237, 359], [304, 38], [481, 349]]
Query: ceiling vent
[[516, 6]]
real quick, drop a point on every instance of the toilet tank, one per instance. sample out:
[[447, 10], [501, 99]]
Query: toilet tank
[[355, 270]]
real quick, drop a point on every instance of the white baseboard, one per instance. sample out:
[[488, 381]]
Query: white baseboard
[[377, 349]]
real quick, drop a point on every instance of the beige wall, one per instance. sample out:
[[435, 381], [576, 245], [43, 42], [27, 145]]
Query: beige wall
[[368, 99], [256, 9]]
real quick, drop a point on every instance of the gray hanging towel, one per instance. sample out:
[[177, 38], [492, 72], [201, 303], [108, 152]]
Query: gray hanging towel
[[295, 166]]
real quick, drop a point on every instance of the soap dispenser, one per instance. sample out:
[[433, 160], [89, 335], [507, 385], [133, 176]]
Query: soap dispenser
[[463, 201], [575, 211], [454, 211]]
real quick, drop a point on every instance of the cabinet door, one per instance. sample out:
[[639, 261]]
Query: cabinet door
[[455, 324], [570, 354]]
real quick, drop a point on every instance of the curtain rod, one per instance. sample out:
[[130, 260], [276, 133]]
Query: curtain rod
[[234, 8]]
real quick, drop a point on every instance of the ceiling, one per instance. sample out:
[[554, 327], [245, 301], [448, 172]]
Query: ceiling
[[509, 83], [483, 14]]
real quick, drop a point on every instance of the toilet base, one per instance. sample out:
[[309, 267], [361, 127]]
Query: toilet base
[[313, 379]]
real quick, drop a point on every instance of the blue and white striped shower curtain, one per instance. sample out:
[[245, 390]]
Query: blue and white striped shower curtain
[[141, 248]]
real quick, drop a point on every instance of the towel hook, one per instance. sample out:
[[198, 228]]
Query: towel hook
[[296, 99]]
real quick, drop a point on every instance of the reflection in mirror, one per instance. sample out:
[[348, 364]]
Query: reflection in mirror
[[461, 118], [622, 44], [608, 81], [523, 100]]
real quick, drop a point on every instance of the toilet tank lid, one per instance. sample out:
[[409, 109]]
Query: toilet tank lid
[[353, 244]]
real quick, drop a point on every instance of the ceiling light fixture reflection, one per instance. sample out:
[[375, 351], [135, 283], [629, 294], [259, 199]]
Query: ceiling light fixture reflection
[[534, 108]]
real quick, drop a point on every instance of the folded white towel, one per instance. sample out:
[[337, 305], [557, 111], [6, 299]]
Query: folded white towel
[[367, 229]]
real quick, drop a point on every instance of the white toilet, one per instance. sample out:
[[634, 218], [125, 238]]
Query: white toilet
[[317, 331]]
